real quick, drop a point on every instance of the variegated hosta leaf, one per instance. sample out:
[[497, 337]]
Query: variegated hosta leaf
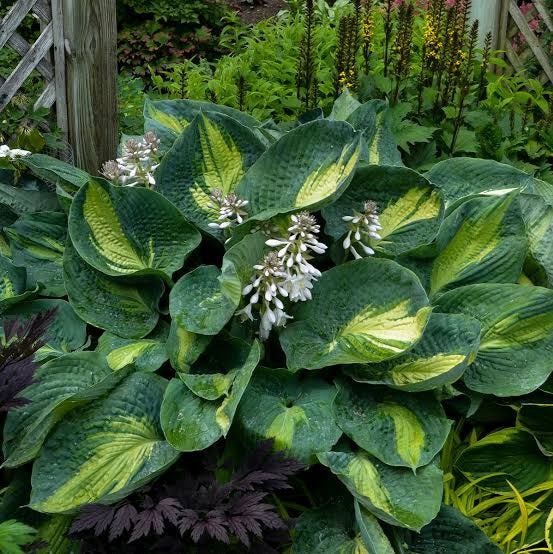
[[66, 332], [295, 413], [212, 376], [350, 322], [393, 494], [464, 178], [147, 354], [330, 529], [453, 533], [344, 106], [449, 345], [200, 303], [117, 446], [62, 385], [371, 531], [410, 208], [537, 419], [482, 241], [192, 423], [129, 230], [306, 169], [126, 306], [379, 144], [54, 531], [169, 118], [214, 152], [399, 428], [13, 284], [516, 345], [510, 455], [184, 347], [37, 242], [537, 212]]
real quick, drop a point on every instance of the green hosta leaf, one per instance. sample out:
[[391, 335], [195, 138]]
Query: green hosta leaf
[[147, 354], [306, 169], [192, 423], [125, 306], [328, 530], [516, 346], [37, 243], [200, 303], [55, 171], [536, 419], [399, 428], [507, 455], [452, 533], [296, 413], [463, 178], [344, 106], [483, 240], [215, 371], [214, 152], [372, 534], [13, 284], [129, 230], [184, 347], [116, 443], [63, 384], [449, 345], [349, 322], [28, 200], [393, 494], [411, 209], [374, 119], [66, 332], [169, 118], [537, 213]]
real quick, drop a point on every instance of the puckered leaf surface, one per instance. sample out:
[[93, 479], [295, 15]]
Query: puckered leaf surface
[[368, 310]]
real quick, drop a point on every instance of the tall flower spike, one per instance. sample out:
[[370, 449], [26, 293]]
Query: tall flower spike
[[230, 209], [295, 253], [363, 226], [265, 290]]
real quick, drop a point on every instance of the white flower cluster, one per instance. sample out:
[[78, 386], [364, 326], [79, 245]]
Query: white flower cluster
[[12, 153], [285, 273], [230, 209], [362, 228], [137, 164]]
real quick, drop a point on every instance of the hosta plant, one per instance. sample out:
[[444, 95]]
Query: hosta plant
[[242, 284]]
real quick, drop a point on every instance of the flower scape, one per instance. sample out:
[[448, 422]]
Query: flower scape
[[253, 341]]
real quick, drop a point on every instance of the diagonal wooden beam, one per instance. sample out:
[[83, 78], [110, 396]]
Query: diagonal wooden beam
[[25, 67], [13, 18], [21, 46], [47, 98], [544, 12], [43, 11], [531, 38]]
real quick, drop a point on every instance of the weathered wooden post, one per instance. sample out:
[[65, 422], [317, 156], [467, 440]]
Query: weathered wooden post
[[488, 13], [90, 29]]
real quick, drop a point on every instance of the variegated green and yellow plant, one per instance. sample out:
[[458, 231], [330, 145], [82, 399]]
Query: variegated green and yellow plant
[[227, 280]]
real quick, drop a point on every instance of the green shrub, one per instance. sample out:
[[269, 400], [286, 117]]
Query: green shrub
[[189, 11], [242, 282]]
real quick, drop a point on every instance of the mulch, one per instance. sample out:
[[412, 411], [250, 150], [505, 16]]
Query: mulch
[[253, 14]]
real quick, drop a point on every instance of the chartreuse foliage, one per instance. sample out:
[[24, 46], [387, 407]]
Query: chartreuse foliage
[[360, 379]]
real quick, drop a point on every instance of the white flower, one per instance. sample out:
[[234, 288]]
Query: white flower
[[229, 209], [12, 153], [362, 228], [137, 164]]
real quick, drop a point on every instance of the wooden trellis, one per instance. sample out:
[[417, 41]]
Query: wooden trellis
[[514, 23], [76, 56], [37, 56]]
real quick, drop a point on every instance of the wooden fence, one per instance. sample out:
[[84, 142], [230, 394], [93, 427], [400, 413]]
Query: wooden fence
[[76, 55], [520, 42]]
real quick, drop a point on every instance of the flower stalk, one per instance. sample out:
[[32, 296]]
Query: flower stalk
[[363, 227]]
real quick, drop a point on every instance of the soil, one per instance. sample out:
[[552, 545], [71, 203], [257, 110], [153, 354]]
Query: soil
[[250, 14]]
